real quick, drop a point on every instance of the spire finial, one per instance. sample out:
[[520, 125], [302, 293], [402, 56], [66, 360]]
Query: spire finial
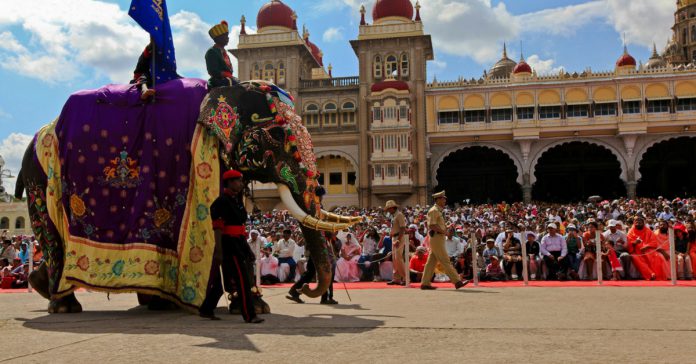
[[362, 15], [505, 50], [243, 22], [418, 7], [655, 50]]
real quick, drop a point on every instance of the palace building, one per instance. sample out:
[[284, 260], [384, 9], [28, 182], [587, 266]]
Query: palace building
[[510, 134]]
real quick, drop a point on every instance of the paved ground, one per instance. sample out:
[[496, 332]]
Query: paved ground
[[476, 325]]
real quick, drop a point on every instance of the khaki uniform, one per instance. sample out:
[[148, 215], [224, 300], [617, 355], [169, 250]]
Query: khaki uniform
[[398, 248], [438, 252]]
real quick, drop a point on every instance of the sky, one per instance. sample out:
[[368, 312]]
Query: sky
[[50, 49]]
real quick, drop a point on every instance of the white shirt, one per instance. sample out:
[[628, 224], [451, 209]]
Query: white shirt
[[285, 248], [553, 244], [299, 253], [454, 246], [269, 266], [257, 244]]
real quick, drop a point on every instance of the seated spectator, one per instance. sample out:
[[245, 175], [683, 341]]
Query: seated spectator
[[609, 254], [285, 249], [553, 248], [493, 271], [575, 245], [8, 250], [617, 238], [369, 260], [512, 257], [491, 250], [534, 261], [417, 264], [588, 269], [23, 253], [347, 269], [20, 275], [268, 265], [453, 245], [681, 251]]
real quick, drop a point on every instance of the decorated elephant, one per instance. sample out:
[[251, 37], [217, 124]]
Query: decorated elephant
[[119, 190]]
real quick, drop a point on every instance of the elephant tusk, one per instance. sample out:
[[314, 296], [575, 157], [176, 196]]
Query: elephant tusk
[[289, 202], [331, 217], [316, 224]]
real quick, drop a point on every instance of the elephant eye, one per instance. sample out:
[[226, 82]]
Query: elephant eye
[[278, 134]]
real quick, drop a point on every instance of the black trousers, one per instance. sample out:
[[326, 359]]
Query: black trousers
[[307, 277], [553, 266], [234, 268]]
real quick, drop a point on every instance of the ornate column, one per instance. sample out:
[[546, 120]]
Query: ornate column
[[631, 184], [526, 189]]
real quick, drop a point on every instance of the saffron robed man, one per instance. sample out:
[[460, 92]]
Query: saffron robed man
[[438, 252]]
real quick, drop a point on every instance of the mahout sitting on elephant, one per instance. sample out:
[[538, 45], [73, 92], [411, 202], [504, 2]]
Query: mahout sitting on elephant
[[119, 191]]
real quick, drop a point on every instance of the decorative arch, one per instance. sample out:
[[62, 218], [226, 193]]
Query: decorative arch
[[630, 93], [685, 89], [654, 90], [576, 95], [604, 94], [20, 223], [474, 102], [524, 99], [341, 154], [501, 99], [448, 103], [611, 148], [549, 97], [330, 106], [647, 146], [505, 150], [4, 222], [311, 106]]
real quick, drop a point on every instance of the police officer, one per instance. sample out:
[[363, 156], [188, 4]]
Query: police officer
[[438, 252], [231, 249]]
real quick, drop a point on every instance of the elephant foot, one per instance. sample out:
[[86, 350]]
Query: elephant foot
[[39, 280], [144, 299], [157, 303], [67, 304], [260, 306]]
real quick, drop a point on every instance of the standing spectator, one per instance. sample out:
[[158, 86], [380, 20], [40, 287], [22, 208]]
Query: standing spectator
[[399, 241], [285, 249], [554, 249]]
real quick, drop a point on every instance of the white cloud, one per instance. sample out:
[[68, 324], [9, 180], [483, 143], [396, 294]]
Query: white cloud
[[4, 115], [643, 21], [103, 38], [544, 67], [12, 151], [440, 65], [333, 34]]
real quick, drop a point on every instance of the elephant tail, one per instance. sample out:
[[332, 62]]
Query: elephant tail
[[19, 186]]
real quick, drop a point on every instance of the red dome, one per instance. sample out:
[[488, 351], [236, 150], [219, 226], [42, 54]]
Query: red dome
[[275, 14], [397, 85], [522, 67], [387, 8], [316, 52], [626, 60]]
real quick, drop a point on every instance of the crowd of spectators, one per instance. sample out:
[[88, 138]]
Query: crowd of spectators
[[15, 254], [560, 241]]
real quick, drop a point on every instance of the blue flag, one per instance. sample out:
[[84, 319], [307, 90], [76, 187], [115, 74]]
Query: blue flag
[[152, 16]]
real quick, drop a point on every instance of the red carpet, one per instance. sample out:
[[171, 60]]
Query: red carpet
[[514, 284]]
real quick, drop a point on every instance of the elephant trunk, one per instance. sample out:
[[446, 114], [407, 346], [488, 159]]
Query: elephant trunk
[[319, 253]]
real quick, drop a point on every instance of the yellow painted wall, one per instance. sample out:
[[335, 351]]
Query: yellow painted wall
[[576, 95], [549, 97], [525, 99], [501, 99], [630, 92], [604, 94], [448, 103], [655, 90], [474, 102], [430, 110], [685, 88], [327, 165]]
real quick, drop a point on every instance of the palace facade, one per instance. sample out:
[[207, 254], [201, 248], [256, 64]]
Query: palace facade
[[510, 134]]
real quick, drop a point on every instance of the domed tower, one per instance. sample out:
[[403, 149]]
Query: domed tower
[[522, 70], [656, 60], [626, 63], [275, 17], [392, 51], [683, 49], [504, 67]]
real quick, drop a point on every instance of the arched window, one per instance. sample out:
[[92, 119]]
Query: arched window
[[19, 223], [312, 116], [269, 73], [256, 73], [377, 66], [348, 113], [404, 64], [4, 223], [391, 67], [281, 73], [330, 116]]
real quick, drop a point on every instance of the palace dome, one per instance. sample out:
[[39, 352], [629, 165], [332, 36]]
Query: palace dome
[[392, 8], [275, 14], [626, 60], [655, 61], [522, 67], [504, 67]]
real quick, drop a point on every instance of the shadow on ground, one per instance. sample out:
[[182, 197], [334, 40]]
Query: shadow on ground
[[230, 333]]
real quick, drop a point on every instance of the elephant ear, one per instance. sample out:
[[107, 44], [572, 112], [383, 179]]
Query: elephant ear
[[254, 108]]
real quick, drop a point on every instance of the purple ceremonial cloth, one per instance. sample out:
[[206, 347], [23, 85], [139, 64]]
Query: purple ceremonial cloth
[[125, 164]]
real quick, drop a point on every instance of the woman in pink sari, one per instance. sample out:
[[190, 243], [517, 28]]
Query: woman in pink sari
[[347, 269]]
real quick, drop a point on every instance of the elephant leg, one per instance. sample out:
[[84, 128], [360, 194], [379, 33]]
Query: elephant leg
[[144, 299], [260, 306], [67, 304], [39, 280], [160, 304]]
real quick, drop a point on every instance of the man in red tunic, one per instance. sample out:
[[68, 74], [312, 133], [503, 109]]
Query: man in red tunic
[[642, 246]]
